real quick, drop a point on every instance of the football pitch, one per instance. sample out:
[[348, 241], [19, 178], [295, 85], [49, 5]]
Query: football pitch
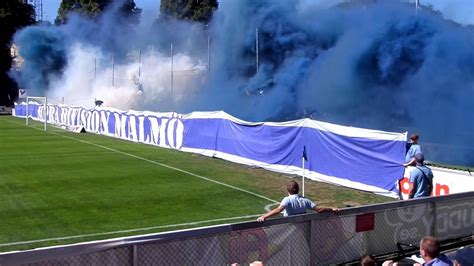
[[59, 187]]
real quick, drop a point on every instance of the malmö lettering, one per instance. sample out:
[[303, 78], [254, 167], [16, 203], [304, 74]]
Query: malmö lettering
[[150, 129]]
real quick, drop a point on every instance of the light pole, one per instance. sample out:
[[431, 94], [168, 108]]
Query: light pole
[[113, 70], [208, 53], [256, 47], [172, 98]]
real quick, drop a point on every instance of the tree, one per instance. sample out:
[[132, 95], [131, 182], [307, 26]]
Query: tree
[[128, 12], [14, 14], [195, 10]]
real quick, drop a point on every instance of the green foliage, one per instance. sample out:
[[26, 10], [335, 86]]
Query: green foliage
[[93, 8], [13, 16], [84, 7], [195, 10], [131, 12]]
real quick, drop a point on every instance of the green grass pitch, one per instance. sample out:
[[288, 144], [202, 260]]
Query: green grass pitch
[[58, 184]]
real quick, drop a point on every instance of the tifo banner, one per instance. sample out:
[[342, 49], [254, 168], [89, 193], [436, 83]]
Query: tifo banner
[[354, 157], [445, 181]]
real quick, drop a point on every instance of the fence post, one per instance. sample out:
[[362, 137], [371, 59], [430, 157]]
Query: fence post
[[239, 252], [433, 230], [312, 243], [134, 255]]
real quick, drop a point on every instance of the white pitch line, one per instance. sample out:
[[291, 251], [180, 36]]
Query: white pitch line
[[160, 164], [126, 231], [268, 206], [168, 166], [147, 228]]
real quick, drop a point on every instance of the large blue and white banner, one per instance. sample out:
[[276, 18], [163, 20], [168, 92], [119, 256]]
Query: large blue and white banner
[[359, 158]]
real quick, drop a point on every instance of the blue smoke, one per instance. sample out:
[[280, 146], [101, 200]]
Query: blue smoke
[[376, 65], [44, 51]]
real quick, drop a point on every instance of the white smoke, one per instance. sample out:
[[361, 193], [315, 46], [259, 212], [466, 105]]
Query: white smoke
[[93, 75]]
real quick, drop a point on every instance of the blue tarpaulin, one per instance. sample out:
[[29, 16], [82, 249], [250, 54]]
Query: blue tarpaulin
[[364, 159]]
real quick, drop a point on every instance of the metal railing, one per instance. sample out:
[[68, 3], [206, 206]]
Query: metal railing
[[311, 239]]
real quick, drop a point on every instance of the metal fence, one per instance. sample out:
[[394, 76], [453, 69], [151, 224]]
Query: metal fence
[[312, 239]]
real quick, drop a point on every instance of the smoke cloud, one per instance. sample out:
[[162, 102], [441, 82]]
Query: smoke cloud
[[374, 64]]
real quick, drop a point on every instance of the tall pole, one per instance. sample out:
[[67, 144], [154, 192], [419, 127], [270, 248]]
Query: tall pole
[[302, 178], [113, 70], [41, 10], [38, 6], [172, 99], [95, 70], [304, 158], [27, 110], [209, 56], [46, 113], [256, 46], [139, 64]]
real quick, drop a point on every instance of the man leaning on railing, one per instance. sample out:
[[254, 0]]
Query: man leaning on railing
[[295, 204]]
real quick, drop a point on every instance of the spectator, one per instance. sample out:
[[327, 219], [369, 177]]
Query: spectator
[[421, 179], [295, 204], [430, 252], [414, 149], [368, 260]]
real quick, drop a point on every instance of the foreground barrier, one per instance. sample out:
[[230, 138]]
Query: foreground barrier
[[299, 240]]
